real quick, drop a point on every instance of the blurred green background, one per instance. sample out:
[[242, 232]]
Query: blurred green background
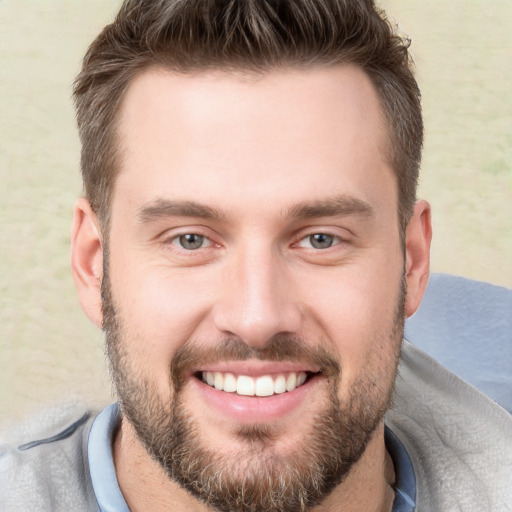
[[48, 349]]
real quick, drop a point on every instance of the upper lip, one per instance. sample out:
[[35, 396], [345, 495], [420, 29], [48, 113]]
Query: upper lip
[[255, 368]]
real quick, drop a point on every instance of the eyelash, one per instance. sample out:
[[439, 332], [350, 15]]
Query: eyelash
[[179, 239], [334, 239]]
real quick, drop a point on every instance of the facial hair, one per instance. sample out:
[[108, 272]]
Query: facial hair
[[258, 478]]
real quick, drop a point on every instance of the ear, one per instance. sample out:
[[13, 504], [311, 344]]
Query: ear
[[87, 259], [417, 255]]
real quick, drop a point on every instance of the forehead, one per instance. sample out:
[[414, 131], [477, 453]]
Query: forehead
[[297, 131]]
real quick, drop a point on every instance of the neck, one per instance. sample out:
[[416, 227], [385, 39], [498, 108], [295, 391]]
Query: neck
[[369, 485], [145, 485]]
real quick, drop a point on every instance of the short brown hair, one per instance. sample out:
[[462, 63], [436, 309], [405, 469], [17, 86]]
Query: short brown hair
[[255, 35]]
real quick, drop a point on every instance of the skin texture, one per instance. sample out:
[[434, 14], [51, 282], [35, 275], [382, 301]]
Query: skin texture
[[256, 165]]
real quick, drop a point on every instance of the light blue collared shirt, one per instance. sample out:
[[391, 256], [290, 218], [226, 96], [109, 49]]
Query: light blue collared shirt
[[110, 499]]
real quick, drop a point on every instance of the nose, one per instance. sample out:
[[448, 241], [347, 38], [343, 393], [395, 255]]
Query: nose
[[258, 299]]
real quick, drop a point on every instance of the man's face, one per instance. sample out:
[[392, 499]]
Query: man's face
[[253, 244]]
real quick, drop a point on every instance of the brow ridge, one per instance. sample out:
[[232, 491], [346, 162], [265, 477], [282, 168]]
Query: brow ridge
[[164, 208], [335, 206]]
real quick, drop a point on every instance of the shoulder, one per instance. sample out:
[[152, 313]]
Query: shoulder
[[43, 463], [458, 439]]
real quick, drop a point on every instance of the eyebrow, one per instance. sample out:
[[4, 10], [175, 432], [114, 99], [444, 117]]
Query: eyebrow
[[331, 207], [164, 208]]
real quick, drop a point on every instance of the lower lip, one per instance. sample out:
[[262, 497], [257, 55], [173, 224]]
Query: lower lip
[[254, 409]]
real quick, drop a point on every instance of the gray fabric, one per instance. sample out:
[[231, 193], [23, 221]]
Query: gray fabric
[[459, 441], [466, 325], [48, 476]]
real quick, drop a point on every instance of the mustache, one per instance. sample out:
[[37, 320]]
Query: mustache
[[281, 347]]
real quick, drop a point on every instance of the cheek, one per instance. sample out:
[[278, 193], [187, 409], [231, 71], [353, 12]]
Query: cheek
[[357, 311], [160, 310]]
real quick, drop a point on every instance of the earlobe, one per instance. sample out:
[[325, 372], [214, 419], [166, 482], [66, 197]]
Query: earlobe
[[417, 255], [87, 259]]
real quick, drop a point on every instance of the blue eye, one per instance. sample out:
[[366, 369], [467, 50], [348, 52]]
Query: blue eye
[[319, 241], [191, 241]]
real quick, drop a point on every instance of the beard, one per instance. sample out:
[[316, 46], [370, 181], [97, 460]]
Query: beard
[[258, 477]]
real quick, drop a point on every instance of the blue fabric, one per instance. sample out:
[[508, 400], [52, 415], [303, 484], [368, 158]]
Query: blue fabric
[[110, 499], [466, 325], [101, 462], [405, 479]]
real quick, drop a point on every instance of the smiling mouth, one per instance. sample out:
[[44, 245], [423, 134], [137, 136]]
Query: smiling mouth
[[264, 385]]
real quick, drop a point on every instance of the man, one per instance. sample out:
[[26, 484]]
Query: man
[[251, 243]]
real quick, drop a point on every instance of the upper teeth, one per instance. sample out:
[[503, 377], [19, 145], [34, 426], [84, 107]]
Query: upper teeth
[[266, 385]]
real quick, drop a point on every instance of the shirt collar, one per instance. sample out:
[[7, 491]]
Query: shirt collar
[[405, 479], [110, 498]]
